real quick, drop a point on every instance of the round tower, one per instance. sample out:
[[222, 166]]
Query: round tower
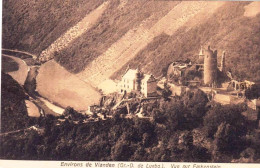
[[210, 66]]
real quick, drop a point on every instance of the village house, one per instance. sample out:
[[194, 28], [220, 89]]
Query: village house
[[135, 80]]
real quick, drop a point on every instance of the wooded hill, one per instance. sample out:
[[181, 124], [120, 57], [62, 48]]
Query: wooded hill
[[180, 129]]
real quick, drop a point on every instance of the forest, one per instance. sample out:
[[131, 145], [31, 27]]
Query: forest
[[187, 128]]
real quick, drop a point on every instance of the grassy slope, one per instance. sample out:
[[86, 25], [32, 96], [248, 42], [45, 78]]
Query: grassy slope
[[32, 25], [226, 30]]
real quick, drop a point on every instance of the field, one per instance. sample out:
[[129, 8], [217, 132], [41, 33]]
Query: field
[[64, 88], [32, 109], [16, 68]]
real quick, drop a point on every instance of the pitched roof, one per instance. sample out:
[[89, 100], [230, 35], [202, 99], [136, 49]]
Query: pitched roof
[[130, 74]]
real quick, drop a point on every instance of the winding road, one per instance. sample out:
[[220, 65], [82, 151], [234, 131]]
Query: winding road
[[21, 52]]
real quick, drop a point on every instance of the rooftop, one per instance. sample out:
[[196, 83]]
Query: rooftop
[[130, 74]]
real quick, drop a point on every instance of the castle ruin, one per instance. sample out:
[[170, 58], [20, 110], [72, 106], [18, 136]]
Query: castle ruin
[[210, 67]]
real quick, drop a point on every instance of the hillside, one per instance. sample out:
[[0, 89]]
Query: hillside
[[146, 34], [120, 26], [33, 25], [98, 40], [228, 29], [13, 109]]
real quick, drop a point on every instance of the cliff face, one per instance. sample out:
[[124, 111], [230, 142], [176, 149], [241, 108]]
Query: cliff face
[[149, 34]]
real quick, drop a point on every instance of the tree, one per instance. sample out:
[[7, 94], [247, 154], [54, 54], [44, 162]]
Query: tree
[[225, 138], [230, 114], [121, 151], [166, 92], [253, 92]]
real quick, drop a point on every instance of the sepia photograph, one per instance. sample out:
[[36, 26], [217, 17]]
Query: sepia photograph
[[130, 80]]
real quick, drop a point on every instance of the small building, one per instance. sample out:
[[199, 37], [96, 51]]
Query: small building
[[243, 85], [135, 80], [177, 69]]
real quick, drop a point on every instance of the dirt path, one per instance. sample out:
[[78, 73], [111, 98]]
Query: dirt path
[[136, 39], [81, 27], [22, 52], [20, 130]]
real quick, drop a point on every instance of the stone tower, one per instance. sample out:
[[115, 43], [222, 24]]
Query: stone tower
[[210, 67], [223, 64]]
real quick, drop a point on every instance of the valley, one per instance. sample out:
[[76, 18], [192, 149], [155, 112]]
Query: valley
[[131, 80]]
